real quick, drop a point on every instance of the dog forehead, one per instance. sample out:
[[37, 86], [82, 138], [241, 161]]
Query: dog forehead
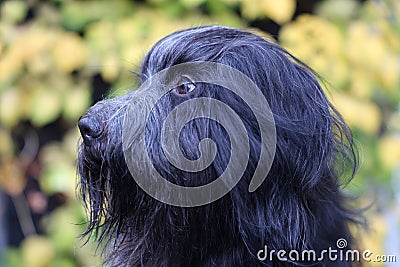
[[204, 35], [196, 44]]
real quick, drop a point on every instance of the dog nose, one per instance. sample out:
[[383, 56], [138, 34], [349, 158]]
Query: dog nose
[[90, 129]]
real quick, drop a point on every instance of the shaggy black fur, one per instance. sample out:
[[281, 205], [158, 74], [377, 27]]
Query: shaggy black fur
[[298, 206]]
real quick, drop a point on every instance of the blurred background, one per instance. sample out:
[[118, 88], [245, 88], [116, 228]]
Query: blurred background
[[59, 57]]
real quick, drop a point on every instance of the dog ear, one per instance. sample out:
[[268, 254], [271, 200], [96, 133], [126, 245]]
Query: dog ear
[[315, 149]]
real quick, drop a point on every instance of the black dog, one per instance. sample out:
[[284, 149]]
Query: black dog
[[298, 206]]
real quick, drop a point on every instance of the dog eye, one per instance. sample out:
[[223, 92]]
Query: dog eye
[[184, 88]]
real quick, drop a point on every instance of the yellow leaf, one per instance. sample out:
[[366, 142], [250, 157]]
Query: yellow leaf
[[5, 143], [389, 151], [40, 64], [123, 30], [279, 11], [59, 177], [69, 53], [58, 168], [318, 43], [394, 122], [10, 64], [388, 72], [192, 3], [110, 67], [100, 37], [69, 143], [13, 11], [10, 107], [390, 33], [338, 10], [37, 251], [361, 84], [365, 46], [35, 41], [53, 154], [250, 9], [77, 101], [12, 177], [45, 106], [131, 56], [309, 36], [373, 239], [361, 114]]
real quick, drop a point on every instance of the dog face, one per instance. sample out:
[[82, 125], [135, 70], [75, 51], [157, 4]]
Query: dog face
[[297, 205]]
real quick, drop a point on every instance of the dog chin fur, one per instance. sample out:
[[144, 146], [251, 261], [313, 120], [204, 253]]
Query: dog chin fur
[[299, 206]]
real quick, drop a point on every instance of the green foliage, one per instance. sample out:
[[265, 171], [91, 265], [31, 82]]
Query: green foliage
[[49, 59]]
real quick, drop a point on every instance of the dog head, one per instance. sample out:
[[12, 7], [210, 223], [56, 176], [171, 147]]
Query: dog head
[[287, 128]]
